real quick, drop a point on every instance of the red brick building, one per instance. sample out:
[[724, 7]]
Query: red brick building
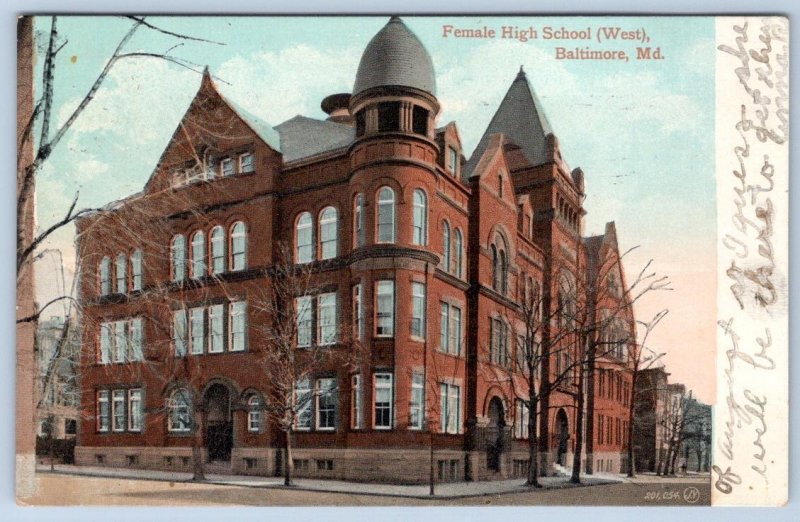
[[425, 254]]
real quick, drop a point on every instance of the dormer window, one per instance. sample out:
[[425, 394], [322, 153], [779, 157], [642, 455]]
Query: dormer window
[[388, 116], [227, 167], [246, 163], [452, 161]]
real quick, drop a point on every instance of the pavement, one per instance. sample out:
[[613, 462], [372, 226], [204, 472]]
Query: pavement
[[450, 490]]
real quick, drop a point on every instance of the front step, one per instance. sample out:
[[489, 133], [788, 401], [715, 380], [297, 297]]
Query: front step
[[218, 467]]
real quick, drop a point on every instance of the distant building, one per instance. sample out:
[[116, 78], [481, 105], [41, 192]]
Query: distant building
[[57, 359], [650, 418], [697, 436]]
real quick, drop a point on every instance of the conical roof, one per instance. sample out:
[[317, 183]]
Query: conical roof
[[395, 57], [521, 119]]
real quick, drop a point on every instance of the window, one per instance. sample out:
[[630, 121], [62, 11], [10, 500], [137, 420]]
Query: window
[[326, 318], [358, 312], [105, 276], [198, 255], [178, 258], [384, 308], [521, 419], [383, 391], [386, 215], [417, 406], [388, 116], [302, 395], [503, 288], [217, 250], [303, 313], [179, 418], [197, 330], [238, 246], [358, 220], [227, 167], [254, 414], [495, 269], [179, 332], [103, 411], [458, 253], [446, 246], [237, 326], [328, 233], [361, 122], [120, 341], [420, 232], [105, 343], [452, 161], [499, 342], [304, 245], [326, 404], [418, 309], [450, 407], [135, 332], [500, 185], [450, 329], [118, 410], [135, 409], [419, 118], [136, 271], [246, 162], [216, 324], [356, 416], [122, 273], [211, 166]]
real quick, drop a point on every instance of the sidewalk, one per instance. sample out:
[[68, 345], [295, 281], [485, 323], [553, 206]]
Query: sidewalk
[[452, 490]]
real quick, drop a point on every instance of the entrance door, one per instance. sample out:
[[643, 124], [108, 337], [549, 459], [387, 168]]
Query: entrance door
[[562, 433], [494, 434], [219, 428]]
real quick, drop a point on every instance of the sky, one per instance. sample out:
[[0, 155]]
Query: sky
[[642, 130]]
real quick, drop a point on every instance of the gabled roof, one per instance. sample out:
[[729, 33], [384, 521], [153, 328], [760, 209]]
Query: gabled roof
[[263, 129], [303, 137], [521, 119]]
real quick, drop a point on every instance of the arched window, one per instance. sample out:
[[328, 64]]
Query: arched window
[[304, 245], [105, 276], [198, 255], [358, 220], [217, 250], [136, 270], [458, 253], [238, 246], [179, 411], [446, 246], [500, 185], [178, 258], [122, 274], [254, 408], [328, 225], [420, 235], [386, 215], [495, 269], [503, 272]]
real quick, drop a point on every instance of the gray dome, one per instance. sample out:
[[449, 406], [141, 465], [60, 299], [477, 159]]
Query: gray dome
[[395, 57]]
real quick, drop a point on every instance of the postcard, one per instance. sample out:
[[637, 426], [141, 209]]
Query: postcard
[[402, 260]]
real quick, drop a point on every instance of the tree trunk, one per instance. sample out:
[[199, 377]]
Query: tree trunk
[[197, 444], [432, 476], [288, 463], [576, 455], [533, 445], [631, 424]]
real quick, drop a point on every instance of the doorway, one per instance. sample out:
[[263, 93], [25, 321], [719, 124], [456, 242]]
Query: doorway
[[219, 427], [562, 434], [494, 434]]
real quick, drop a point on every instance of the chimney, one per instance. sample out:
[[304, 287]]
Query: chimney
[[336, 107]]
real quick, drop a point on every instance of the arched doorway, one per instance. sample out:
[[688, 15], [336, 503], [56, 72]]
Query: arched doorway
[[562, 436], [219, 428], [494, 434]]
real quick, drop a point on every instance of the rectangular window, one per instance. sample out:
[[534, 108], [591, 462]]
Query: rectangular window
[[383, 391], [118, 410], [499, 342], [303, 398], [326, 404], [136, 339], [521, 418], [135, 409], [418, 309], [444, 334], [303, 313], [197, 330], [356, 416], [452, 161], [599, 429], [179, 332], [237, 318], [358, 313], [326, 318], [417, 406], [216, 335], [254, 421], [246, 162], [105, 343], [454, 333], [227, 167], [103, 411], [384, 308], [136, 271], [120, 341], [450, 405]]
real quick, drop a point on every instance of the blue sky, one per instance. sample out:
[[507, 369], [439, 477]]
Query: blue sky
[[642, 131]]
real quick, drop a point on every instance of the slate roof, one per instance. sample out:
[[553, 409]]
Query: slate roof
[[303, 137], [395, 57], [521, 119], [264, 130]]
